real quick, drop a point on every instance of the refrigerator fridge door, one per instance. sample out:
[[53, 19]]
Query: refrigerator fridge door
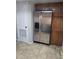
[[45, 28]]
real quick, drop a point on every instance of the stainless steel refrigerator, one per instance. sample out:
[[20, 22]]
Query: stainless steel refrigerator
[[42, 26]]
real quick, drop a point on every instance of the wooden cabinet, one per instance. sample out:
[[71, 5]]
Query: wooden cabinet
[[57, 24], [57, 30], [57, 27]]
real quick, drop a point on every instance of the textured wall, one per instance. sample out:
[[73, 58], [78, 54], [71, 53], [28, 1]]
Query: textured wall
[[24, 17]]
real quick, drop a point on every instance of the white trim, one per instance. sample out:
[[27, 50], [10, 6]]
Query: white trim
[[28, 42]]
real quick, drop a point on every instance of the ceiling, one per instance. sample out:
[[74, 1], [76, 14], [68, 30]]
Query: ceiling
[[41, 1]]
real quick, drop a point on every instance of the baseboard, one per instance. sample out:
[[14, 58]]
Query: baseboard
[[28, 42]]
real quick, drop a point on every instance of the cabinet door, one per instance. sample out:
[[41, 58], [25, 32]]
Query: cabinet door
[[57, 30], [58, 12], [57, 37], [57, 24]]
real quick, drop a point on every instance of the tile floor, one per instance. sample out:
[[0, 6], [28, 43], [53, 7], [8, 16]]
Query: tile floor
[[38, 51]]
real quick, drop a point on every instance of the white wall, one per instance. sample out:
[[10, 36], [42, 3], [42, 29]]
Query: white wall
[[24, 17]]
